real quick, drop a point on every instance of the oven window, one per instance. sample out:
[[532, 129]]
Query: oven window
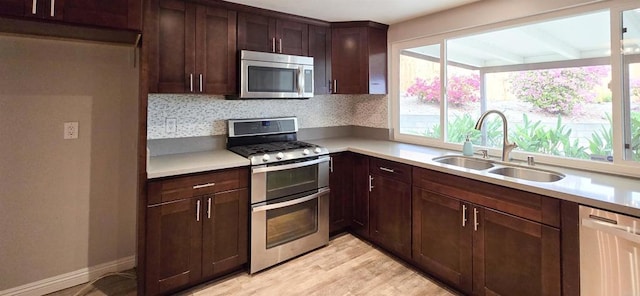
[[292, 181], [291, 223], [267, 79]]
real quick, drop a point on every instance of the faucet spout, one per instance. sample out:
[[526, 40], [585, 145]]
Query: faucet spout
[[506, 145]]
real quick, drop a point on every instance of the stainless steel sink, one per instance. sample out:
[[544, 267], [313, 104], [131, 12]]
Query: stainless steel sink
[[465, 162], [528, 174]]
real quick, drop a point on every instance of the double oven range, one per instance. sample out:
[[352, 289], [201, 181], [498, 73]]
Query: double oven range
[[289, 189]]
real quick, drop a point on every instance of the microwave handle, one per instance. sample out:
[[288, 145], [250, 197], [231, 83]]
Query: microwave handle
[[300, 81]]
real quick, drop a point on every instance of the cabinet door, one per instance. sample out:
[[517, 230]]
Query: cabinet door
[[292, 37], [121, 14], [340, 182], [442, 235], [514, 256], [225, 233], [215, 50], [174, 237], [349, 60], [320, 50], [360, 204], [16, 7], [172, 50], [256, 32], [390, 215]]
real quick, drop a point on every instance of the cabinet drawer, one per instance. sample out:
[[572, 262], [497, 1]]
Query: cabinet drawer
[[177, 188], [390, 169], [542, 209]]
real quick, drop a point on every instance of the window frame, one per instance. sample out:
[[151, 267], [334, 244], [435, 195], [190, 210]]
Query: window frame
[[620, 164]]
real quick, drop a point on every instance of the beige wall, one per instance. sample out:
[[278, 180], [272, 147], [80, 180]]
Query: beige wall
[[65, 205], [475, 14]]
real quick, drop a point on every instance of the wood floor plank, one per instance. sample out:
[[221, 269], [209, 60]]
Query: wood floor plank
[[348, 266]]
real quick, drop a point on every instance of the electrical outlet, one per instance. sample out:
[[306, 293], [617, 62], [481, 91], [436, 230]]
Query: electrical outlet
[[70, 130], [171, 125]]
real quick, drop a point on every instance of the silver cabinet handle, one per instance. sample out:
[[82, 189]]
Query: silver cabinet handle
[[34, 7], [291, 202], [387, 170], [204, 185], [370, 183], [198, 210], [53, 8], [464, 215], [200, 82], [191, 82], [335, 86], [331, 164], [209, 208], [280, 44], [475, 219], [273, 44]]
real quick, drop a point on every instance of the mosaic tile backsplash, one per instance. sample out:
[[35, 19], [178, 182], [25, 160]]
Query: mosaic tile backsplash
[[179, 116]]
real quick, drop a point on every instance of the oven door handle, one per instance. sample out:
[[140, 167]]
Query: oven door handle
[[289, 166], [291, 202]]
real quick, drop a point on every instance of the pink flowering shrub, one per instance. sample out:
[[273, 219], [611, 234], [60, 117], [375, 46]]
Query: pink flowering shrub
[[558, 91], [462, 89]]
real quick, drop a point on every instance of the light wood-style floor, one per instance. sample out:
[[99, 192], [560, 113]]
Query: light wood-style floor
[[347, 266]]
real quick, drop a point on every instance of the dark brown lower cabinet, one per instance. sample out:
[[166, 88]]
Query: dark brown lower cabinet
[[341, 184], [482, 251], [196, 239], [360, 201], [174, 245], [390, 214]]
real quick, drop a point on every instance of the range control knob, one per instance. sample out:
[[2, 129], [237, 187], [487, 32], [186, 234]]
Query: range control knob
[[265, 158], [280, 155], [305, 152], [317, 150]]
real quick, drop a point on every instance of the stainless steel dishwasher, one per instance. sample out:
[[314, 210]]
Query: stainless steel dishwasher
[[609, 253]]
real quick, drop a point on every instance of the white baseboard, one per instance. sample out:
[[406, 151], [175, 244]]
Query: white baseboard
[[70, 279]]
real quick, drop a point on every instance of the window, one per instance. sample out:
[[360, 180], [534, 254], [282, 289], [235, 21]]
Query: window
[[554, 80], [631, 93], [420, 91]]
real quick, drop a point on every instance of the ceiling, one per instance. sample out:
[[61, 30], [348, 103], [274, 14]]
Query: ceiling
[[382, 11], [572, 38]]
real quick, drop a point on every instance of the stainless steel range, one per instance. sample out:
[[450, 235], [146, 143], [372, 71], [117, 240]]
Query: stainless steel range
[[289, 189]]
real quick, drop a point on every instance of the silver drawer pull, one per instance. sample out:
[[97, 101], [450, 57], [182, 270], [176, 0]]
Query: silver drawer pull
[[203, 185], [387, 170], [53, 8], [34, 9]]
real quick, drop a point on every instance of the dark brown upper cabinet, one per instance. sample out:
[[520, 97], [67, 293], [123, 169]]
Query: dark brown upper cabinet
[[320, 50], [193, 48], [359, 58], [117, 14], [268, 34]]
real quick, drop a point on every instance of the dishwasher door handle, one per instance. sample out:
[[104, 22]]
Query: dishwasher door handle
[[613, 229]]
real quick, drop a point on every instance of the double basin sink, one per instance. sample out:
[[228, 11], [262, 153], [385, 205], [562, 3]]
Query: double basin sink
[[493, 167]]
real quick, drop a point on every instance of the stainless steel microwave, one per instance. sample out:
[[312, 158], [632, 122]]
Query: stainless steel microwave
[[275, 76]]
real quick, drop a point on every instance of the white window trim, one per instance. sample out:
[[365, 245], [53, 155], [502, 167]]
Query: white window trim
[[618, 166]]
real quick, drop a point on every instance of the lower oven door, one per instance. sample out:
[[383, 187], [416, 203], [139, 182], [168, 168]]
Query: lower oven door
[[283, 230]]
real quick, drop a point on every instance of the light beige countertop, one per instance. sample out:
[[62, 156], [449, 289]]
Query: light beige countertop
[[186, 163], [609, 192]]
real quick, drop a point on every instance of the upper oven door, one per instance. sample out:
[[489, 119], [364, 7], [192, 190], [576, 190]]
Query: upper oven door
[[289, 178]]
